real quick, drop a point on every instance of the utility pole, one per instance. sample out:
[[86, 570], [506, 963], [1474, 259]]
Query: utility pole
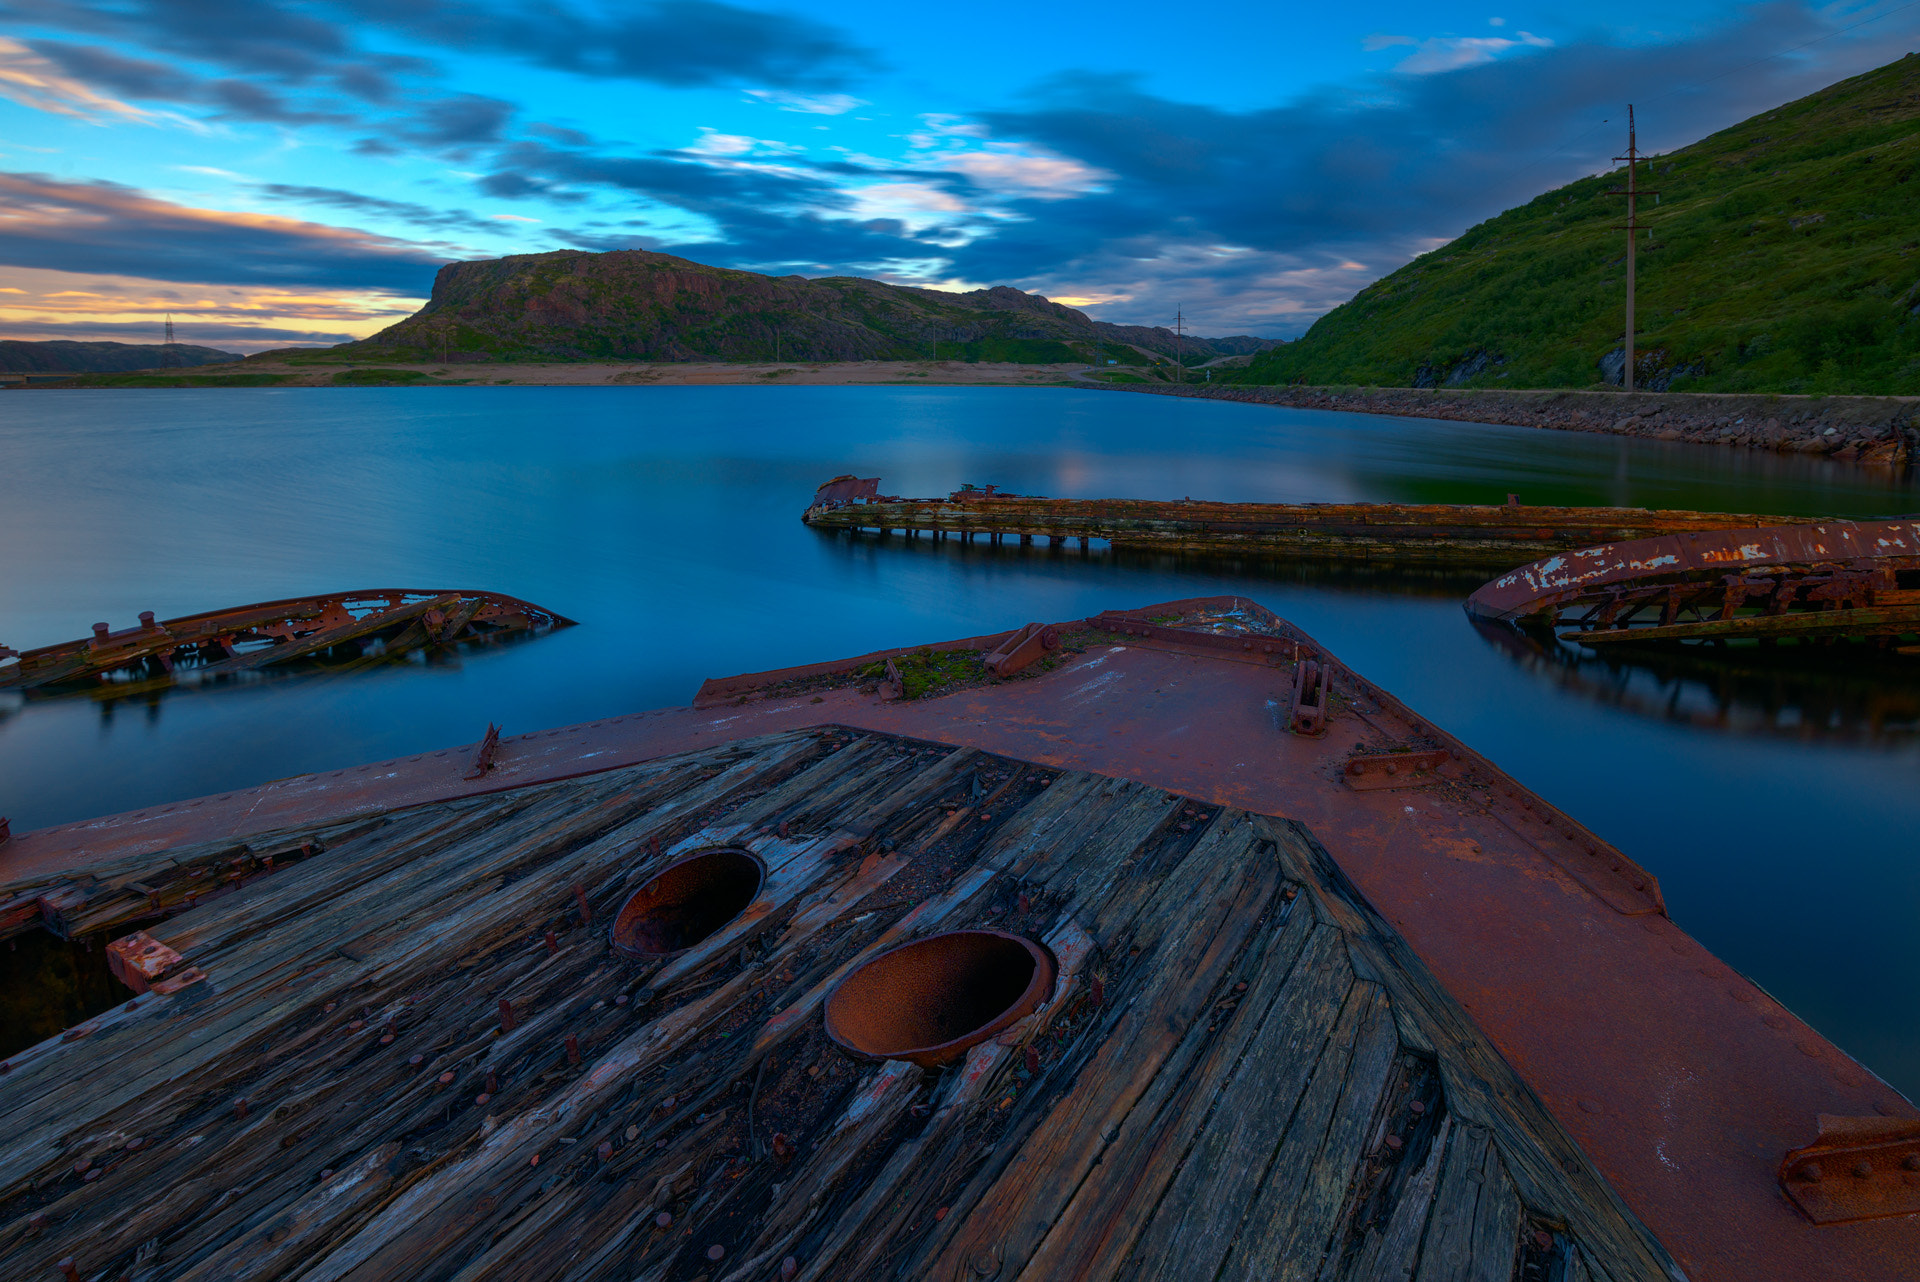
[[1179, 348], [1632, 225], [168, 356]]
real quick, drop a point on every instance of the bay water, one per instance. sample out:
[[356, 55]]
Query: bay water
[[1777, 798]]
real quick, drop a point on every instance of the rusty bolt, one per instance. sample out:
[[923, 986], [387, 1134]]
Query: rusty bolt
[[482, 1098], [1543, 1240], [1394, 1142], [573, 1050], [940, 1213], [386, 1039], [80, 1167], [1416, 1108], [446, 1077], [1913, 1162], [789, 1267], [553, 944], [66, 1266], [1863, 1170], [326, 1175], [534, 1160], [605, 1150], [416, 1060], [37, 1221], [506, 1015], [1811, 1172], [716, 1252], [621, 1000], [91, 1176], [355, 1025], [663, 1220]]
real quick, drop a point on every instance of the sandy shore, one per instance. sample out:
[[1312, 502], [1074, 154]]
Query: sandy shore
[[628, 374]]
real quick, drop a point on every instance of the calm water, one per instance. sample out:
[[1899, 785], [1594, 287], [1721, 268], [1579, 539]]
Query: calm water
[[1777, 805]]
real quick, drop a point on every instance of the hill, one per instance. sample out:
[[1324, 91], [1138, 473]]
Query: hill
[[60, 355], [642, 306], [1785, 257]]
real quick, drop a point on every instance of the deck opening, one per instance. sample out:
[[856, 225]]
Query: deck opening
[[686, 902], [928, 1001], [49, 984]]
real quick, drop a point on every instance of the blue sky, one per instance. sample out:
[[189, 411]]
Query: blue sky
[[293, 171]]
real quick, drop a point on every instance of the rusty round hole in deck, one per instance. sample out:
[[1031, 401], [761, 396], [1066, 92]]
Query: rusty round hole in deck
[[686, 902], [928, 1001]]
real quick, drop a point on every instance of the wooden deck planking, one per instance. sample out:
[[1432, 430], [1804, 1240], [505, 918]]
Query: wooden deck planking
[[1177, 1126]]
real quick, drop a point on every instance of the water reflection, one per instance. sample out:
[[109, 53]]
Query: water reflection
[[1838, 694], [146, 689]]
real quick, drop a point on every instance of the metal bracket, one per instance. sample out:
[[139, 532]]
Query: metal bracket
[[1023, 649], [1860, 1168], [483, 759], [1394, 769], [1308, 714], [139, 960]]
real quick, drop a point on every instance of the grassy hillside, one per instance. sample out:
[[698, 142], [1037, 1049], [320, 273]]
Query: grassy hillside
[[1785, 257], [636, 305]]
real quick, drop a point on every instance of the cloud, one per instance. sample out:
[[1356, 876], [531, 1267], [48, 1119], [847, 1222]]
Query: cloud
[[1254, 212], [830, 104], [1380, 40], [671, 42], [33, 81], [46, 222], [1450, 53], [404, 211]]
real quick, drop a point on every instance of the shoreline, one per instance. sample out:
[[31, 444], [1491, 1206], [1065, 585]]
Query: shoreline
[[1874, 431], [569, 374]]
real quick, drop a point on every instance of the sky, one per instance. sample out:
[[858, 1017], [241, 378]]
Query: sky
[[282, 172]]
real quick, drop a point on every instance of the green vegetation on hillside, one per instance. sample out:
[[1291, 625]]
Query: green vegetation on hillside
[[1785, 257], [634, 305]]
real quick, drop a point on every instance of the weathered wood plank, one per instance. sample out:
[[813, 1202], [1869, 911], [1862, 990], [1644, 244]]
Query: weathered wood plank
[[1474, 1232], [1099, 1227], [1553, 1176], [1208, 914], [1292, 1224], [1195, 1225]]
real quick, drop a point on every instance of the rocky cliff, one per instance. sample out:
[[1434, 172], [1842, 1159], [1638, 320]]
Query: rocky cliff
[[642, 306]]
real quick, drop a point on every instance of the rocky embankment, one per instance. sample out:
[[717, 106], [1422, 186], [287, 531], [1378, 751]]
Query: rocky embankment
[[1880, 431]]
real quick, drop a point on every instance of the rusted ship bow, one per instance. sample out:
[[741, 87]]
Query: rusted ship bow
[[251, 637], [1162, 947], [1819, 582]]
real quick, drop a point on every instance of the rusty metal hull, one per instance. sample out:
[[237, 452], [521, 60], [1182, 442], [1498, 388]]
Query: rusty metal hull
[[1684, 1083], [249, 637], [1421, 533], [1826, 580]]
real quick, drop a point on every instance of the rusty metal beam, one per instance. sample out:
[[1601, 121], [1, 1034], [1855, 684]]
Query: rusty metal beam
[[1470, 534]]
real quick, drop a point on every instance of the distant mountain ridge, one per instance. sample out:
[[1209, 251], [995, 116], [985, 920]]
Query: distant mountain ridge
[[637, 305], [1784, 257], [17, 356]]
